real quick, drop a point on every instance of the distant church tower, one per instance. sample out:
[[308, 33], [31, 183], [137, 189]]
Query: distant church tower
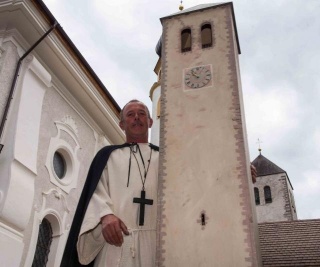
[[273, 192], [206, 204]]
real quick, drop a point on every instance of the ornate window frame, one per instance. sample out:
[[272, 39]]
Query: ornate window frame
[[58, 221], [69, 152]]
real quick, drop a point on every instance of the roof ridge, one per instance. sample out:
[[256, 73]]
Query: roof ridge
[[293, 221]]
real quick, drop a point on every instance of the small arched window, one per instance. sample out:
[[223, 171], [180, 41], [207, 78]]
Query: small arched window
[[43, 244], [206, 35], [267, 194], [256, 196], [186, 40]]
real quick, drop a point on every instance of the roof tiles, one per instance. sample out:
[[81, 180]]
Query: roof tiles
[[290, 243], [266, 167]]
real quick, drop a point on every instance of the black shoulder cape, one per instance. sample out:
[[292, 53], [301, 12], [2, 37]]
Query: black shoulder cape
[[70, 255]]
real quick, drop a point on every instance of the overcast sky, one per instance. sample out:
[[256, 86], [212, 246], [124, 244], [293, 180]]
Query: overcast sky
[[279, 64]]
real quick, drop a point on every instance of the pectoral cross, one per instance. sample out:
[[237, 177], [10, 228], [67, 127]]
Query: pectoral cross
[[142, 201]]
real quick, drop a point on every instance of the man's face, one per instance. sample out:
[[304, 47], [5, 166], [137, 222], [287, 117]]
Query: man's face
[[136, 122]]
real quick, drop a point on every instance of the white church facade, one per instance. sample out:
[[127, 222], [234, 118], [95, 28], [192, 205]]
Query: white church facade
[[60, 115]]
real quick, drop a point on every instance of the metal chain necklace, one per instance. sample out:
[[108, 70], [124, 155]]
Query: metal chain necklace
[[134, 148], [142, 200]]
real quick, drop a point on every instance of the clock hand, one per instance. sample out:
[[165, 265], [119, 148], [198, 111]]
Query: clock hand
[[192, 72]]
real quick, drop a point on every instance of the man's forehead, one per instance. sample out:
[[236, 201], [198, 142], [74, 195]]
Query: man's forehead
[[135, 105]]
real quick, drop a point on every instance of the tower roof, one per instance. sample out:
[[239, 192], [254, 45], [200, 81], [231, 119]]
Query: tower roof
[[266, 167], [198, 8], [195, 8]]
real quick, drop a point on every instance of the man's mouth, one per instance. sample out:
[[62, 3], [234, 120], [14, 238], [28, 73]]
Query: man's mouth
[[137, 124]]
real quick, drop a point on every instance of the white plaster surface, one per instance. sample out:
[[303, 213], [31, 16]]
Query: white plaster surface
[[18, 202], [29, 115], [276, 210], [37, 104], [11, 248]]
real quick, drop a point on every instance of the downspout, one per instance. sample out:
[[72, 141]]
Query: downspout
[[15, 78]]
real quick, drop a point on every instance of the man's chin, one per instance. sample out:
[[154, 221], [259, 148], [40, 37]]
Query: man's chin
[[138, 129], [138, 133]]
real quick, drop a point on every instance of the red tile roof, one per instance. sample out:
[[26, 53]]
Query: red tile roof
[[290, 243]]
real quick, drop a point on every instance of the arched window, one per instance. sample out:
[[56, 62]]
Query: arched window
[[43, 245], [186, 40], [267, 194], [206, 35], [256, 196]]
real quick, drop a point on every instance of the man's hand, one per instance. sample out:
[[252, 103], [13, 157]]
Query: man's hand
[[253, 173], [112, 229]]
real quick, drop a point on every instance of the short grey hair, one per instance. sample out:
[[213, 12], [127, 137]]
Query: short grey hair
[[133, 101]]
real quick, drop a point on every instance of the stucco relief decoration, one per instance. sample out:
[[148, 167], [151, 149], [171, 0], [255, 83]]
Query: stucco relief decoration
[[57, 217], [62, 154], [57, 193], [69, 121], [101, 141]]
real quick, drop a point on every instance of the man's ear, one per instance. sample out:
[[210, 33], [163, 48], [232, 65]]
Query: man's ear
[[121, 125], [150, 122]]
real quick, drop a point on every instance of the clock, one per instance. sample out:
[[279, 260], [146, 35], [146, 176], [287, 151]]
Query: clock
[[197, 77]]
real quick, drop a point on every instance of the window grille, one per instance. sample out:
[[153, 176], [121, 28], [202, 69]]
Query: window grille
[[43, 245]]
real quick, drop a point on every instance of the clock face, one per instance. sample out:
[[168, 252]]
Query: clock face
[[198, 77]]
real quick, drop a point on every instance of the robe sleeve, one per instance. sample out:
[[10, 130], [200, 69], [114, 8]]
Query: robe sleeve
[[91, 240]]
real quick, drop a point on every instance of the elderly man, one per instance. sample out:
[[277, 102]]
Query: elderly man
[[119, 224]]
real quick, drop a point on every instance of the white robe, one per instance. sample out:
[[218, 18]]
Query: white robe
[[112, 196]]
